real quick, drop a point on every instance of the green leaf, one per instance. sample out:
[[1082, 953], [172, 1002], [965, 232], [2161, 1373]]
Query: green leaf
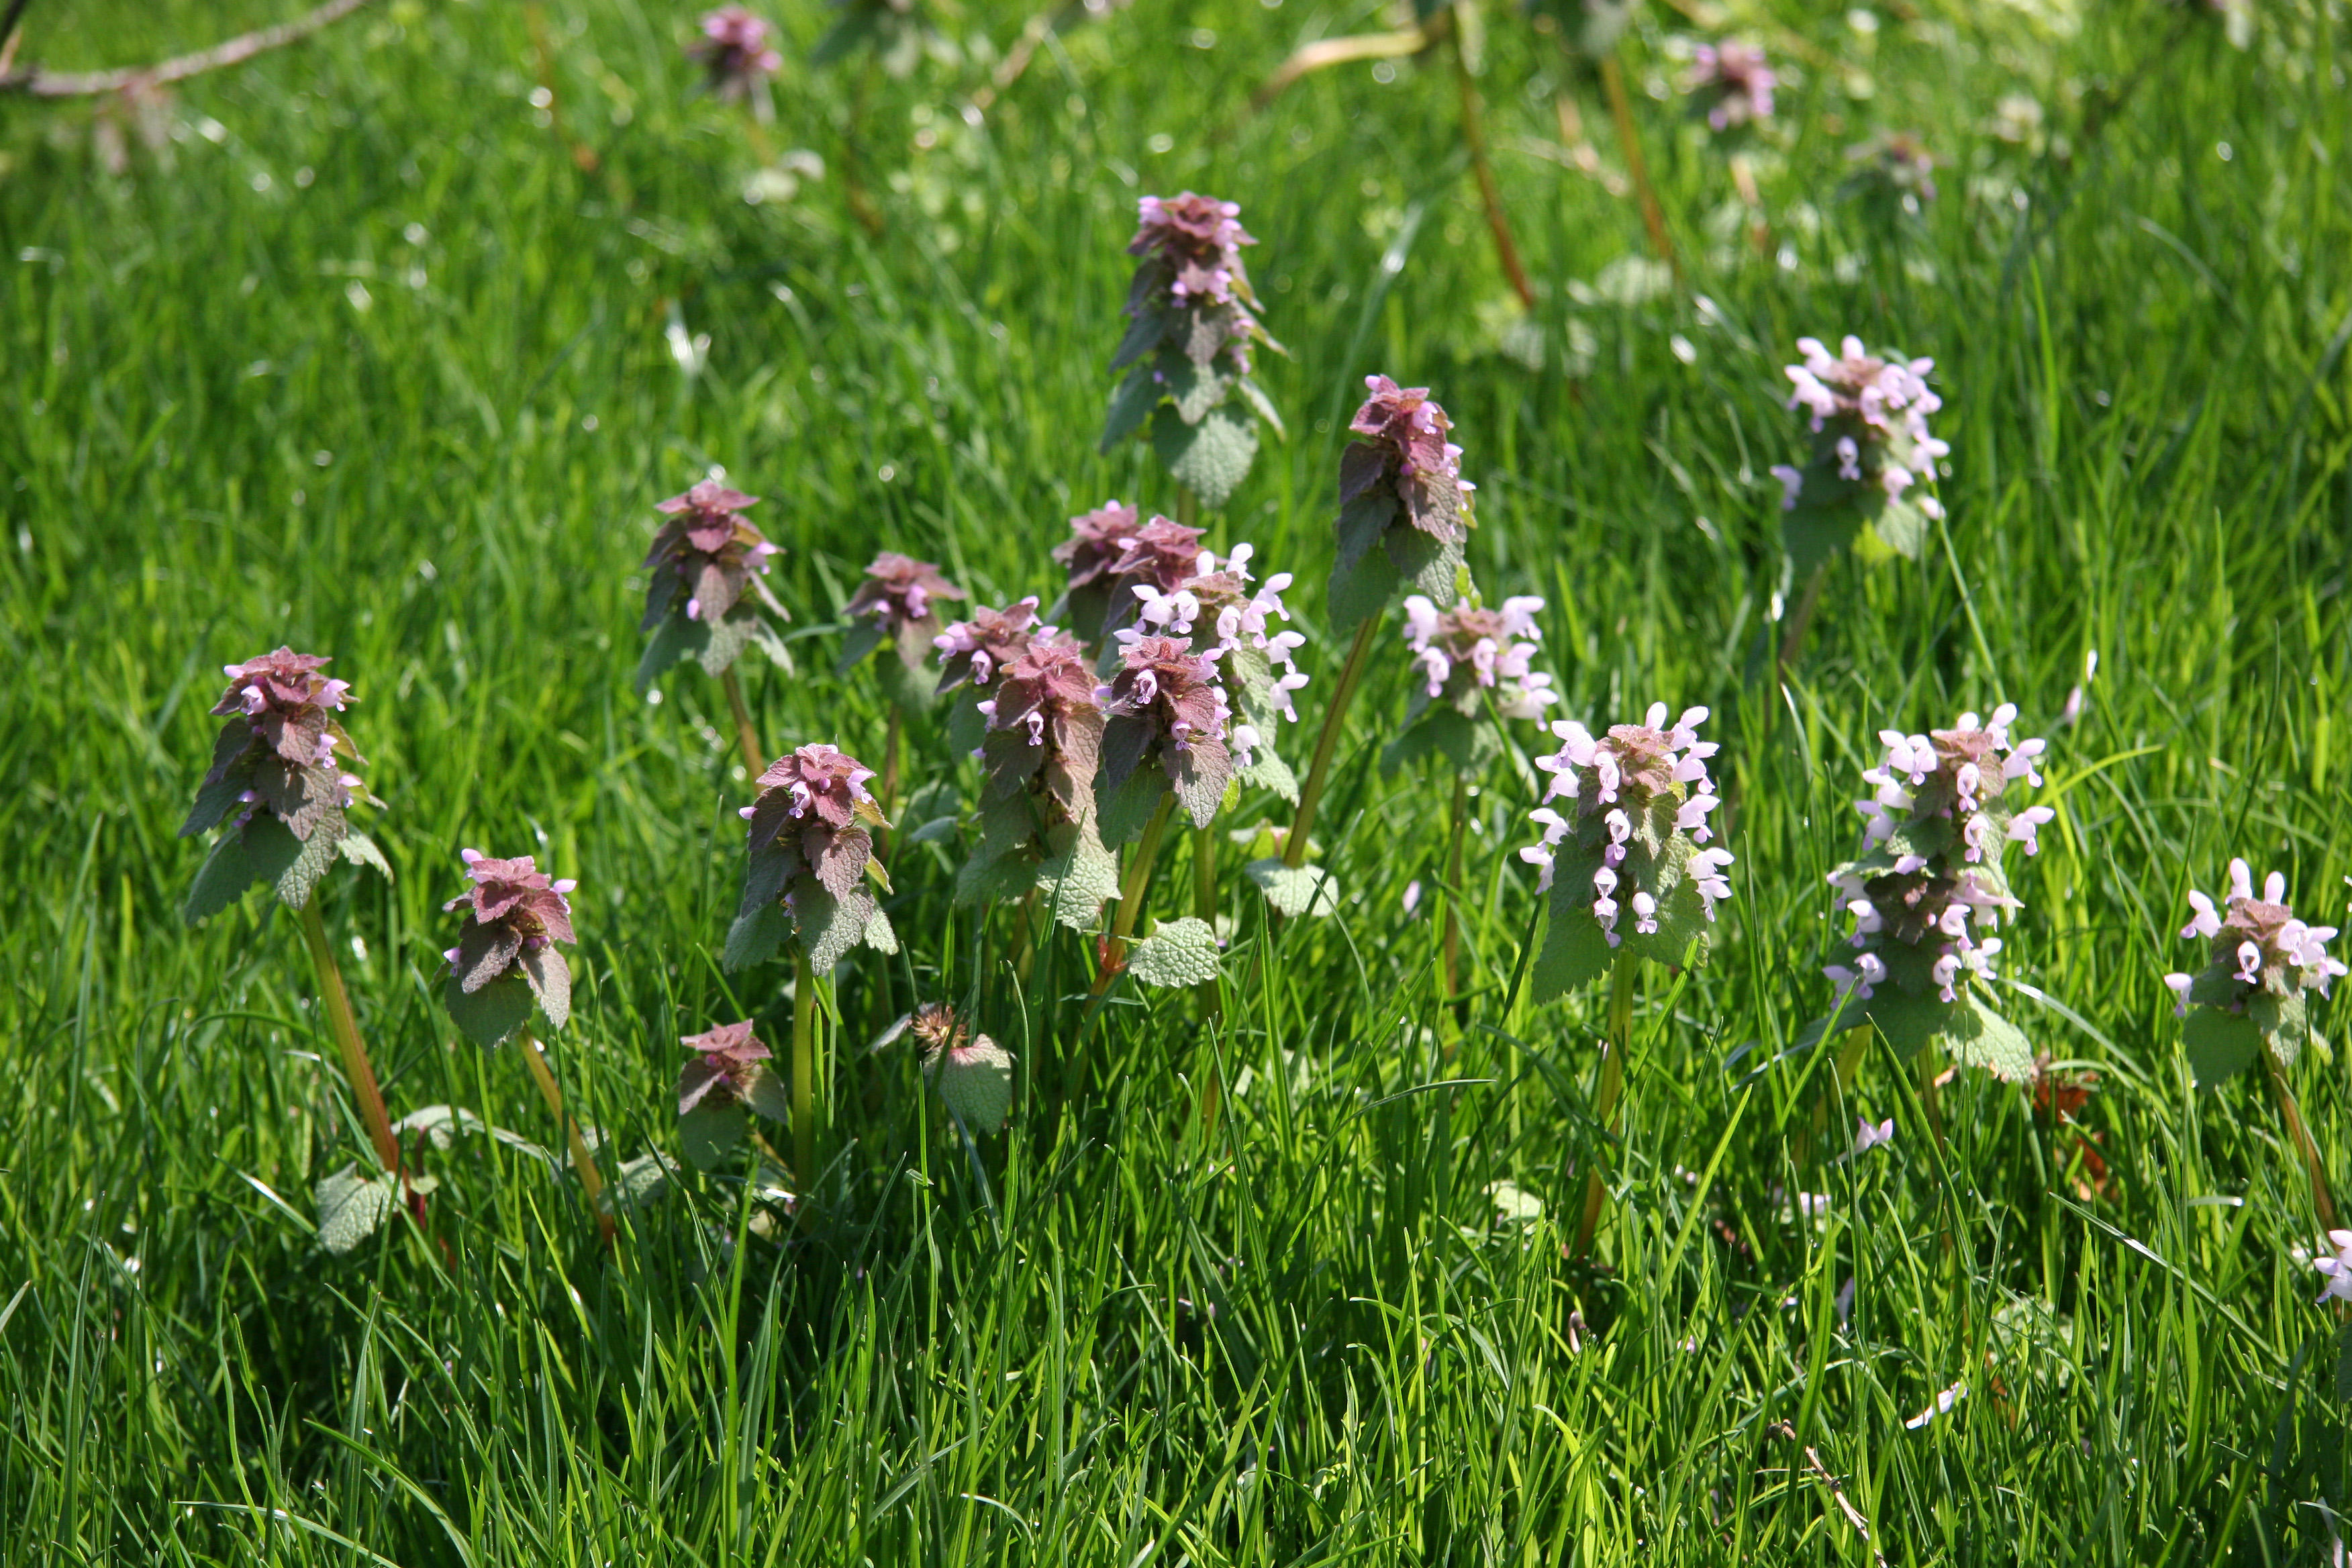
[[864, 637], [1137, 396], [1466, 744], [1575, 949], [674, 639], [1181, 952], [727, 638], [1295, 890], [829, 926], [1981, 1038], [1211, 459], [880, 934], [705, 1133], [1901, 527], [361, 850], [1268, 771], [1356, 593], [222, 879], [975, 1082], [213, 801], [488, 1015], [754, 936], [998, 879], [1080, 877], [1263, 406], [351, 1207], [2221, 1044], [312, 856], [1142, 335], [2282, 1022], [1122, 814], [637, 1182], [439, 1123], [1429, 564], [1195, 390], [550, 978], [767, 1094]]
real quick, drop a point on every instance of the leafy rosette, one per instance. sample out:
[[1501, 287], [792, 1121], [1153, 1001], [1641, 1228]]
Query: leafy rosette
[[1098, 539], [1928, 890], [898, 604], [280, 780], [738, 48], [1624, 869], [2254, 994], [1254, 663], [809, 856], [1040, 754], [1870, 446], [506, 957], [706, 568], [1167, 714], [1464, 658], [974, 654], [1191, 323], [1400, 489], [728, 1075]]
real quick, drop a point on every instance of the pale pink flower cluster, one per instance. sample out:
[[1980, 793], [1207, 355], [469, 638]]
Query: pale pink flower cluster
[[1955, 773], [1738, 78], [2257, 941], [2338, 1270], [1881, 409], [1488, 645], [1613, 777], [1219, 593]]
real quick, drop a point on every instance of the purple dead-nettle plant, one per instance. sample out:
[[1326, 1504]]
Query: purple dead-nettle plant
[[506, 956], [898, 604], [1167, 726], [2262, 966], [1631, 867], [281, 781], [738, 48], [1401, 489], [730, 1072], [1894, 177], [1731, 83], [1465, 658], [810, 855], [1039, 758], [1191, 324], [1217, 601], [974, 655], [1098, 539], [705, 591], [1928, 890], [279, 785], [1872, 448], [972, 1073]]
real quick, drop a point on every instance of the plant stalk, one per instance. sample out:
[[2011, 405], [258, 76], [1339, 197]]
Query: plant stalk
[[1449, 948], [1131, 889], [591, 1181], [1318, 772], [345, 1027], [1605, 1097], [1490, 194], [2292, 1116], [1653, 218], [890, 781], [804, 1071], [745, 735]]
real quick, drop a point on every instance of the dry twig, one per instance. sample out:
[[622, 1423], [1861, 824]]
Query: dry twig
[[39, 83]]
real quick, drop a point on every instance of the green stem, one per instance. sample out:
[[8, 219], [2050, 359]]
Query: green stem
[[1318, 772], [1131, 889], [890, 781], [345, 1027], [591, 1181], [803, 1071], [1611, 1087], [1188, 506], [745, 735], [2290, 1114], [1794, 642]]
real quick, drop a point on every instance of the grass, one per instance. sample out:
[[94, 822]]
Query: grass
[[370, 365]]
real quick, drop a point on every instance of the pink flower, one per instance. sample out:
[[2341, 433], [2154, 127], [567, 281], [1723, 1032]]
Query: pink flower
[[735, 48], [1734, 82], [1165, 705], [897, 592], [1869, 418], [281, 753], [708, 550], [1466, 650], [729, 1063], [977, 651], [1197, 238], [517, 911]]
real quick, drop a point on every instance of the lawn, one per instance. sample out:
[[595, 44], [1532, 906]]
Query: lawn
[[384, 344]]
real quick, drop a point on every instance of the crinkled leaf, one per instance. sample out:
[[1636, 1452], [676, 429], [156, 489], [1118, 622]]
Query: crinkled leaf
[[312, 857], [769, 1095], [1267, 771], [1575, 951], [1360, 590], [1195, 389], [1079, 876], [489, 1014], [1121, 814], [675, 638], [1901, 527], [864, 637], [709, 1131], [1432, 565], [1295, 890], [999, 878], [1181, 952], [729, 635], [755, 936], [215, 800], [351, 1207], [223, 878], [1206, 768], [1137, 396], [1980, 1037], [829, 927], [439, 1123], [1211, 459], [880, 934], [550, 978], [2221, 1044], [361, 850], [636, 1183], [2282, 1022], [975, 1082], [967, 727], [1144, 333]]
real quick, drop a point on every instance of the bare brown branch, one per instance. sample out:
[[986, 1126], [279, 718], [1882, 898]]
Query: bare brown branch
[[40, 84]]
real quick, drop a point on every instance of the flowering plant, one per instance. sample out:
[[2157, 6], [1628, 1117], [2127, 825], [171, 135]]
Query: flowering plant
[[2261, 966], [506, 956], [728, 1075], [1098, 540], [704, 562], [279, 778], [738, 48], [1401, 488], [1732, 84], [808, 857], [1037, 799], [1624, 869], [1894, 176], [974, 655], [1191, 323], [1870, 445], [1167, 719], [1254, 665], [1463, 657], [1929, 888], [972, 1073], [897, 605]]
